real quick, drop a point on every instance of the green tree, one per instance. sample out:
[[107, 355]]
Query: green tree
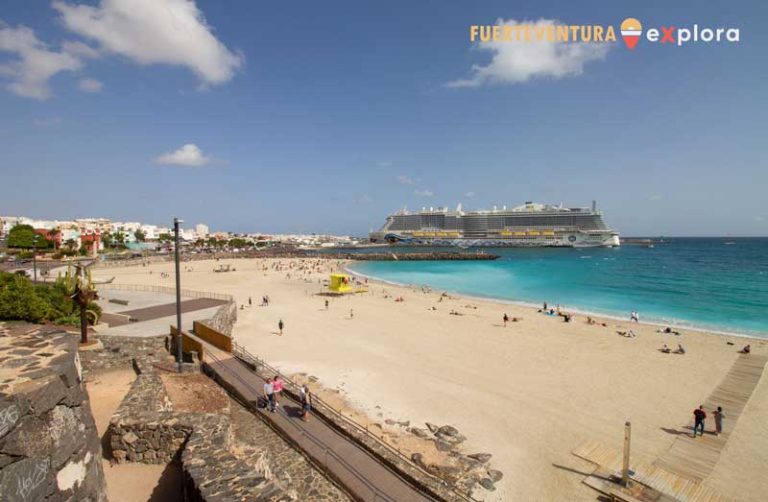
[[140, 235], [21, 237], [165, 237], [106, 238], [19, 301]]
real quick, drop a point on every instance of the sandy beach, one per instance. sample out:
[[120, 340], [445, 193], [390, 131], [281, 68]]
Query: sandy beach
[[528, 393]]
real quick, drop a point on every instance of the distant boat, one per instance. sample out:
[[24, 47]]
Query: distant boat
[[729, 243], [649, 246]]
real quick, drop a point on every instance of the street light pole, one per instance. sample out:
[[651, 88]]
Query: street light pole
[[179, 354], [34, 258]]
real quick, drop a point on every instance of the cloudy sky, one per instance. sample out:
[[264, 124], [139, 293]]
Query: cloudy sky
[[325, 116]]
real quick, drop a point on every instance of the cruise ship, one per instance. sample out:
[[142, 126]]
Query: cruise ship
[[528, 225]]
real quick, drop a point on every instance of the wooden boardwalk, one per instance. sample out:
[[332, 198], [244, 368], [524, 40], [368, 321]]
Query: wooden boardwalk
[[169, 309], [678, 472], [695, 459], [363, 476]]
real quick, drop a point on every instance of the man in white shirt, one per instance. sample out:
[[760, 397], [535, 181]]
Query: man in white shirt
[[269, 395]]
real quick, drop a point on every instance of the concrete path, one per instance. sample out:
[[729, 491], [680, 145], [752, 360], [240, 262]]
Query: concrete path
[[343, 459]]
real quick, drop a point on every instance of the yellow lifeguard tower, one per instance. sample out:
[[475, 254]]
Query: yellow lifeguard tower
[[340, 284]]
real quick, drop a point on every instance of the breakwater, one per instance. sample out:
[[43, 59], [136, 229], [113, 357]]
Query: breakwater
[[430, 256]]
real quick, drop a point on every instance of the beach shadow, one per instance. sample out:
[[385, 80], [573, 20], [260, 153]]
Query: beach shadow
[[688, 431], [106, 446], [581, 473], [276, 333]]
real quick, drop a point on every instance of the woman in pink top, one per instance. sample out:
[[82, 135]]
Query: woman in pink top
[[277, 385]]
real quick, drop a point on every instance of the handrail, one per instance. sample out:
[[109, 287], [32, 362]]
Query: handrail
[[241, 352], [147, 288], [377, 493]]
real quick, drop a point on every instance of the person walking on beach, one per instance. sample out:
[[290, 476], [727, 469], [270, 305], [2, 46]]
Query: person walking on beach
[[719, 416], [277, 387], [250, 302], [351, 314], [698, 419], [280, 326], [506, 319], [306, 402], [634, 316], [326, 304], [269, 396]]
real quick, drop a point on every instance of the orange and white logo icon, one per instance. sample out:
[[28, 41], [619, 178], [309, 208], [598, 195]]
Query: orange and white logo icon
[[631, 29]]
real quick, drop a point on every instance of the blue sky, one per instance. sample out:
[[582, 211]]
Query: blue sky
[[326, 116]]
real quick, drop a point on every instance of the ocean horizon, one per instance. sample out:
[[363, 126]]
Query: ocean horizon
[[690, 282]]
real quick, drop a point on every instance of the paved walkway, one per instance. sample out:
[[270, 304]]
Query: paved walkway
[[362, 474], [169, 309]]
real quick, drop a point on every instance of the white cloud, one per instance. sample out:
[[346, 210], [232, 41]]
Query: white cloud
[[172, 32], [79, 49], [35, 63], [424, 193], [655, 196], [469, 195], [90, 85], [405, 180], [188, 155], [514, 62], [47, 121]]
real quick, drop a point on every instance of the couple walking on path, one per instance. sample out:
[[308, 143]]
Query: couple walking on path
[[699, 415], [273, 388]]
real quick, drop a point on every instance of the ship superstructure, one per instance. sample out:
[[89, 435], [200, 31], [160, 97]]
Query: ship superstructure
[[530, 224]]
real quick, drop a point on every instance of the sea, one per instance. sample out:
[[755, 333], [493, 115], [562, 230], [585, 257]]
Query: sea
[[713, 284]]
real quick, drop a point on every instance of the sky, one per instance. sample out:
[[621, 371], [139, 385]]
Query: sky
[[311, 116]]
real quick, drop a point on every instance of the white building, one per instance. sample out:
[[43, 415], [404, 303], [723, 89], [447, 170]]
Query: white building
[[202, 230]]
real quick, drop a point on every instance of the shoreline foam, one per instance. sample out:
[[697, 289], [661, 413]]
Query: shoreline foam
[[673, 323]]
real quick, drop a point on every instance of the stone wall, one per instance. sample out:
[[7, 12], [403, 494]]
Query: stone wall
[[49, 447], [224, 319], [121, 352], [145, 428]]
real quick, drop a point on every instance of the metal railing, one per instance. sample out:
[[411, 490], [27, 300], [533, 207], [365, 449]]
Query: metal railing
[[376, 493], [260, 366], [146, 288]]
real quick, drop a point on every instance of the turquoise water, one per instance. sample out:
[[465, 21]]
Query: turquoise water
[[694, 282]]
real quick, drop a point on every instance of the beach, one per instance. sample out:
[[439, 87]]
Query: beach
[[528, 393]]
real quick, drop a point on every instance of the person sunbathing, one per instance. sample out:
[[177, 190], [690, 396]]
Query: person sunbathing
[[680, 349], [665, 349], [746, 350]]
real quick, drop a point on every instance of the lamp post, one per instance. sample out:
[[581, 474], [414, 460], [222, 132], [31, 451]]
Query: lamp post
[[34, 258], [179, 354]]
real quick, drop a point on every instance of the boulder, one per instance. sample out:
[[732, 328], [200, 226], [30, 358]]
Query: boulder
[[432, 427], [418, 432], [495, 475], [487, 484], [443, 445], [418, 459], [448, 430], [481, 457], [453, 439]]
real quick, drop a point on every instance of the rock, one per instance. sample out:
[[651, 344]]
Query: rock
[[418, 459], [443, 445], [432, 427], [448, 430], [28, 479], [487, 484], [481, 457], [389, 421], [469, 464], [454, 440], [130, 438], [418, 432], [404, 423], [30, 438], [495, 475]]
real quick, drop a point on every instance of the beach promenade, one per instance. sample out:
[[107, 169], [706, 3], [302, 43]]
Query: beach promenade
[[342, 459]]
